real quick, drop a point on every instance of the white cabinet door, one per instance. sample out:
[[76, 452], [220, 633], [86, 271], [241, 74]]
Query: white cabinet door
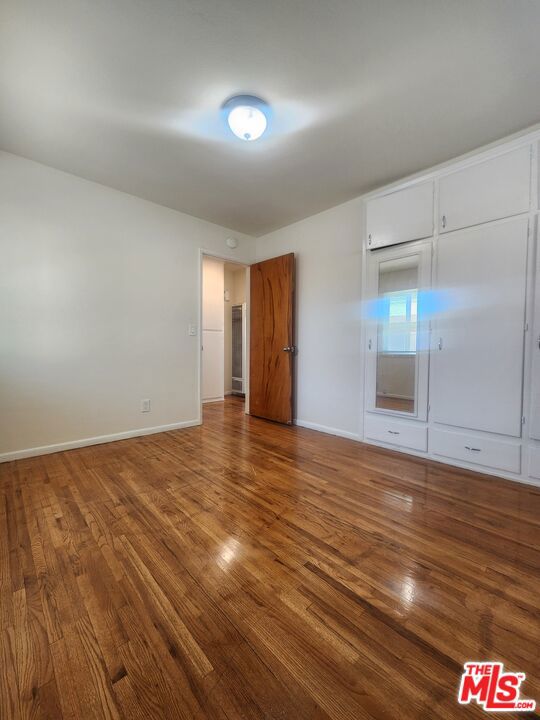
[[213, 279], [213, 365], [490, 190], [534, 429], [477, 340], [213, 324], [477, 449], [397, 360], [396, 432], [401, 216], [534, 462]]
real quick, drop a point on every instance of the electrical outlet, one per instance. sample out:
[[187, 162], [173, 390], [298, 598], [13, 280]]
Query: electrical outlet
[[145, 405]]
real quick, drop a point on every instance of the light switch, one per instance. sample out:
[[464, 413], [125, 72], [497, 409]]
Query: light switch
[[192, 329]]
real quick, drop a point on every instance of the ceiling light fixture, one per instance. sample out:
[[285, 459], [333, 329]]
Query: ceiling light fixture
[[247, 116]]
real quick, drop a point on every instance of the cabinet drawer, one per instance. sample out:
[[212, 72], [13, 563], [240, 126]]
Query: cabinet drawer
[[490, 190], [396, 432], [400, 216], [475, 449], [534, 462]]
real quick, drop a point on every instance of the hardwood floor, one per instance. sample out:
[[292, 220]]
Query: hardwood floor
[[250, 570]]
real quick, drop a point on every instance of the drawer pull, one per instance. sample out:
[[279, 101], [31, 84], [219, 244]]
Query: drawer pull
[[468, 447], [393, 432]]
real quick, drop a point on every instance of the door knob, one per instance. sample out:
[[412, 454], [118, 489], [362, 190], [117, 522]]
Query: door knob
[[289, 348]]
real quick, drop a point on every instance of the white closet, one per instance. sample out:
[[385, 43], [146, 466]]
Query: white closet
[[397, 358], [452, 343], [213, 330], [478, 332], [400, 216], [534, 428], [488, 190]]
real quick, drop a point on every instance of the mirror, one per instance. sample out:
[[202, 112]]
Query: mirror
[[397, 335]]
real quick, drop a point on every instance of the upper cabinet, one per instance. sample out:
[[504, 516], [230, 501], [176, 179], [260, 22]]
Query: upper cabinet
[[489, 190], [400, 216]]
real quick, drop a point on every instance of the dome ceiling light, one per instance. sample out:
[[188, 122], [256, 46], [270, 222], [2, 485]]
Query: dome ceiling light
[[247, 116]]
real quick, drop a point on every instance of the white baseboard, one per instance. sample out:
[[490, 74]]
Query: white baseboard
[[328, 430], [72, 444], [220, 398]]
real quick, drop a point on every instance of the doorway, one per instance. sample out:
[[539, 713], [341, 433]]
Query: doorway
[[224, 331]]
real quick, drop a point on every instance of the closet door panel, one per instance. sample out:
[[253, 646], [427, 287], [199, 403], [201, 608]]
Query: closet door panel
[[213, 279], [534, 429], [213, 366], [477, 341], [490, 190], [534, 462], [400, 216]]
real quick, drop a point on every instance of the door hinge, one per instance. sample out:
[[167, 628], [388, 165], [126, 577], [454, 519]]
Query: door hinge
[[526, 328], [523, 419]]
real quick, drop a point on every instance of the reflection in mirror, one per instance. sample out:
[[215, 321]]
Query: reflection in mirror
[[396, 336]]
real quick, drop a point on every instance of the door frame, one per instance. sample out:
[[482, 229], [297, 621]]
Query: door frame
[[232, 261]]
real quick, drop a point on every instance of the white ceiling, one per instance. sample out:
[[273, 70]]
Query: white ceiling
[[127, 93]]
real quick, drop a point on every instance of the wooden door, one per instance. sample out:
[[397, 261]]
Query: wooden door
[[272, 339]]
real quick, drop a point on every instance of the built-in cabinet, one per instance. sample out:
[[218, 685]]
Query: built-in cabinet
[[534, 426], [534, 461], [397, 360], [475, 448], [478, 327], [452, 316], [213, 330], [400, 216], [488, 190]]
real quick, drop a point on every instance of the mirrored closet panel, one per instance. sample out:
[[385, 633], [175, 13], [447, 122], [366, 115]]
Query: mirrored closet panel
[[397, 343]]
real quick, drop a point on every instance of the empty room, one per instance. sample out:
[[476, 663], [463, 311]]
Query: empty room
[[269, 359]]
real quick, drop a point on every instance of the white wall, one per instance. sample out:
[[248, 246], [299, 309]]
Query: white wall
[[329, 380], [97, 289]]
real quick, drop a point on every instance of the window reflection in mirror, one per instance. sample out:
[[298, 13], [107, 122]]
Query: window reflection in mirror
[[397, 335]]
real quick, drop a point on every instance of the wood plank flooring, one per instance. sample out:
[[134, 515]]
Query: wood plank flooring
[[248, 570]]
